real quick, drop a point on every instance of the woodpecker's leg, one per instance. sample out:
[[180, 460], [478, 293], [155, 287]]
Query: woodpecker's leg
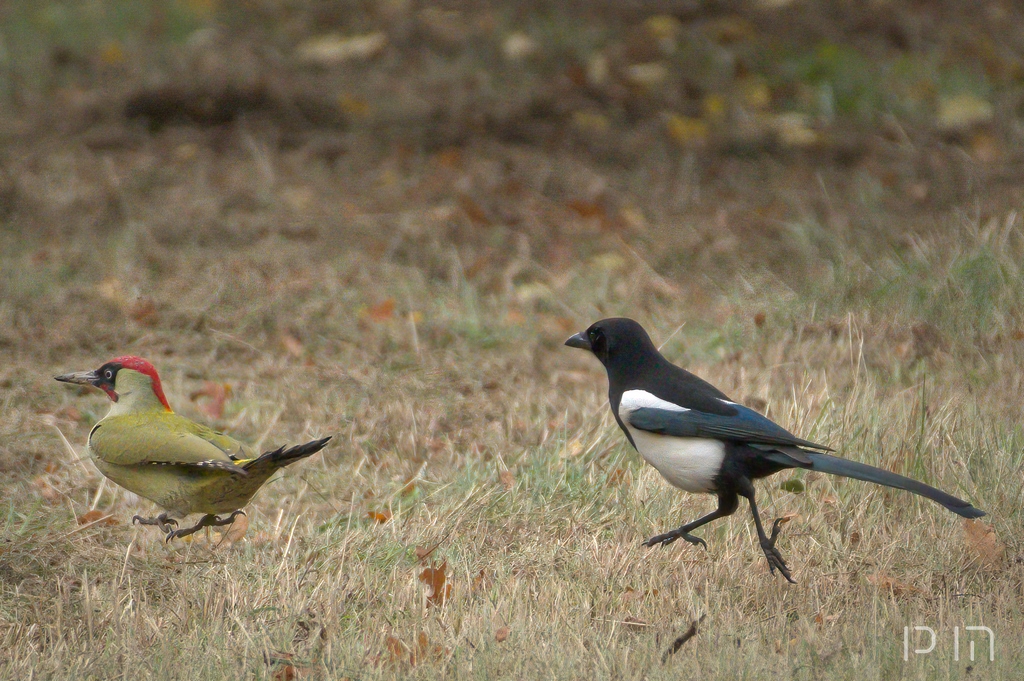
[[162, 521], [727, 503], [208, 520], [775, 559]]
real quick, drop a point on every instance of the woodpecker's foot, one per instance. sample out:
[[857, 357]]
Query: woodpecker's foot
[[219, 522], [162, 521], [208, 520], [775, 559], [669, 537]]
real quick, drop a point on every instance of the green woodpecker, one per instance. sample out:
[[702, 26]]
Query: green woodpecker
[[179, 464]]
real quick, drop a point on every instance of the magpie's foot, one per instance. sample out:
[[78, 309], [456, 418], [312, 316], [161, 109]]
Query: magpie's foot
[[669, 537], [208, 520], [775, 559], [162, 521]]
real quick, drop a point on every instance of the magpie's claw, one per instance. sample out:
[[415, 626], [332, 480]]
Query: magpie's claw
[[775, 559], [669, 537]]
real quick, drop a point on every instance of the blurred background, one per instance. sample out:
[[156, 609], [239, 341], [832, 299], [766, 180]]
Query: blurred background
[[711, 136]]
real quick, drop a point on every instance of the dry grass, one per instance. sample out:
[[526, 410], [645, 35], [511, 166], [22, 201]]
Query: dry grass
[[409, 293], [449, 393]]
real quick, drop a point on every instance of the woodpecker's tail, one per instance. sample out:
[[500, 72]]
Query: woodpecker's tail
[[282, 456], [859, 471]]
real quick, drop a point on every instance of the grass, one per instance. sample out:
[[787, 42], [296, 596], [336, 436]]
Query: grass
[[425, 428], [409, 294]]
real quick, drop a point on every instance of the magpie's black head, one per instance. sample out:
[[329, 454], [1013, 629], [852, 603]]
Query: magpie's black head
[[615, 341]]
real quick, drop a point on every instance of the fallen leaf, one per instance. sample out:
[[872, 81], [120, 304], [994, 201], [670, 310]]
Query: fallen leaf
[[687, 131], [395, 648], [986, 147], [501, 634], [573, 448], [218, 394], [382, 311], [854, 538], [648, 75], [112, 53], [515, 318], [292, 344], [898, 588], [143, 311], [508, 481], [474, 211], [46, 490], [586, 209], [451, 157], [480, 581], [69, 413], [821, 619], [962, 112], [285, 672], [982, 543], [327, 50], [111, 289], [792, 129], [437, 584], [424, 650], [517, 46], [759, 319], [97, 517], [379, 516]]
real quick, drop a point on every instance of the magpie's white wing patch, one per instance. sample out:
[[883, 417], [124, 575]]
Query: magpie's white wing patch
[[689, 463], [637, 399]]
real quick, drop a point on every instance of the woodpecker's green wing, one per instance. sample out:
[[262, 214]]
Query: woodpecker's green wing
[[165, 439]]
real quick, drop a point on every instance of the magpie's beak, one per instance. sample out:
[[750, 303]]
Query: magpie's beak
[[580, 341], [80, 377]]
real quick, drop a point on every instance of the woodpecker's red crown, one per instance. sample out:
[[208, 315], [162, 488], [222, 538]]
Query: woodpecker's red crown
[[143, 367]]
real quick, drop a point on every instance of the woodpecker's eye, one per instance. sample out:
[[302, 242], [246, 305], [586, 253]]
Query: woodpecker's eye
[[109, 375]]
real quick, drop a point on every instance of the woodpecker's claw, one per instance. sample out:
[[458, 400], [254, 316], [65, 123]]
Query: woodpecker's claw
[[162, 521], [208, 520], [669, 537]]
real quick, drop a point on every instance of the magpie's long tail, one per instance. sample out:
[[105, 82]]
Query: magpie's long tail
[[859, 471], [282, 456]]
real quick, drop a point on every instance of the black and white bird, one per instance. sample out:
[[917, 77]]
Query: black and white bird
[[701, 441]]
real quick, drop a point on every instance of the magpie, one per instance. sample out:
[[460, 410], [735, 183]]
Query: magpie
[[701, 441]]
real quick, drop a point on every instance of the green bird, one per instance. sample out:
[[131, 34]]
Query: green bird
[[182, 466]]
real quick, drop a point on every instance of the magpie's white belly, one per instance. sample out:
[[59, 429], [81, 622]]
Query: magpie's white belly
[[689, 463]]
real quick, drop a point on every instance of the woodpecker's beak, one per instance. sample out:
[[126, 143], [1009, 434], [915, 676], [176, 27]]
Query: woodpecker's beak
[[580, 341], [80, 377]]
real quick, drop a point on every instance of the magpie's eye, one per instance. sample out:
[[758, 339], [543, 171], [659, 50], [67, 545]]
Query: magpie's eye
[[108, 374]]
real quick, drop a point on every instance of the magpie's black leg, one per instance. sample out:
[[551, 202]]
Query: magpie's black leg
[[727, 503], [163, 521], [775, 559], [208, 520]]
